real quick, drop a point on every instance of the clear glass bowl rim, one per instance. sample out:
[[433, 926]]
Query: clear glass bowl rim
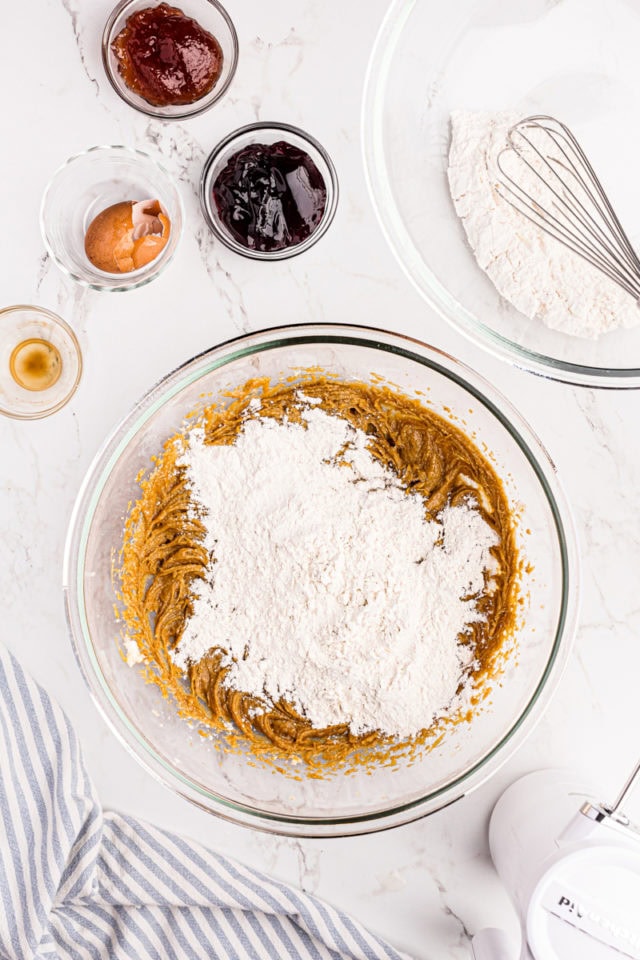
[[407, 255], [58, 321], [156, 112], [211, 216], [137, 278], [167, 387]]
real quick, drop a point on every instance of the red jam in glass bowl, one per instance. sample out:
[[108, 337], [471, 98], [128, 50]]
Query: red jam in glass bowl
[[166, 57]]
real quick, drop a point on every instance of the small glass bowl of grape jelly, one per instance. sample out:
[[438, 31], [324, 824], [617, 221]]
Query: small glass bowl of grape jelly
[[269, 191]]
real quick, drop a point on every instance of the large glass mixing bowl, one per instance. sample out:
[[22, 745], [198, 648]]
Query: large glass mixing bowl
[[225, 782], [576, 60]]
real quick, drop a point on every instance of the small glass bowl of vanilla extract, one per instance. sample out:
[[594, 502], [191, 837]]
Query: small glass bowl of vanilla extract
[[40, 362]]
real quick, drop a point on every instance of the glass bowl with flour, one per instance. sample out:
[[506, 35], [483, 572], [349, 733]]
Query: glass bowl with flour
[[347, 568], [443, 86]]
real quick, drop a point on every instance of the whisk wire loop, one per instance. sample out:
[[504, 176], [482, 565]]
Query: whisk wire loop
[[588, 238], [571, 240], [565, 198]]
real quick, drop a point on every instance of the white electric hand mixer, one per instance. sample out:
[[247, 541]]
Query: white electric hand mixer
[[572, 867]]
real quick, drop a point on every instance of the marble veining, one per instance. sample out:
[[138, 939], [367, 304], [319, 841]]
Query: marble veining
[[74, 16]]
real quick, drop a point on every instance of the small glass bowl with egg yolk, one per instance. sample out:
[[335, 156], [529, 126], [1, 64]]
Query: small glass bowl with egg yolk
[[111, 218]]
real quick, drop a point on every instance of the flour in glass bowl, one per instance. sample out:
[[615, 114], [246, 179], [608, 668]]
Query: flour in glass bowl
[[328, 587], [535, 272]]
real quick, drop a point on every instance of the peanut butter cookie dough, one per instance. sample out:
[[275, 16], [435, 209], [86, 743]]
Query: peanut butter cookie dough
[[164, 563]]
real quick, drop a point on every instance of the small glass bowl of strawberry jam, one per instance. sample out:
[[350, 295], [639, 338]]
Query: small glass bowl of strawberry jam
[[170, 59], [269, 191]]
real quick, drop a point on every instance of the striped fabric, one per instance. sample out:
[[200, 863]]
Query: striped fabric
[[81, 884]]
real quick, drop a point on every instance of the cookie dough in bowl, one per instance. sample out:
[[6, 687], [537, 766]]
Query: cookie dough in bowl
[[346, 567]]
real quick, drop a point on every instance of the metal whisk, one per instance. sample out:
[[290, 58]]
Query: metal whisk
[[565, 197]]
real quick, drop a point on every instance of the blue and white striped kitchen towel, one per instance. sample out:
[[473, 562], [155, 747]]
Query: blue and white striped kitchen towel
[[81, 884]]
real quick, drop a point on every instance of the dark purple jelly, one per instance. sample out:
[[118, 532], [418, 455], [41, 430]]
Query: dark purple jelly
[[270, 196]]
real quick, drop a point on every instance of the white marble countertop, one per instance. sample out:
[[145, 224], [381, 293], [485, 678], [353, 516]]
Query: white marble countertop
[[430, 885]]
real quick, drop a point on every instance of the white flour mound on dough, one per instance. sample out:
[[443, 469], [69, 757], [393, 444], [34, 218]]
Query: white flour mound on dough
[[328, 586], [537, 274]]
